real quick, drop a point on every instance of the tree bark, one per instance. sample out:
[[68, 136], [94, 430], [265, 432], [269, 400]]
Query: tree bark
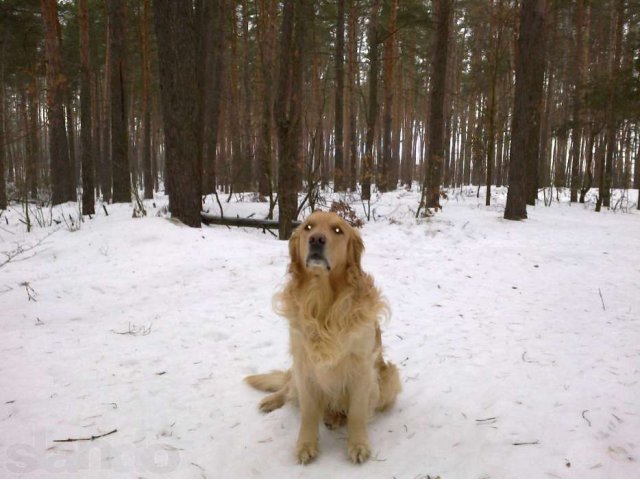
[[525, 128], [32, 140], [214, 77], [3, 186], [388, 84], [492, 99], [147, 161], [74, 167], [433, 179], [175, 31], [267, 10], [289, 113], [604, 193], [86, 158], [579, 96], [338, 171], [408, 158], [372, 116], [352, 72], [248, 134], [61, 173], [208, 219], [117, 89]]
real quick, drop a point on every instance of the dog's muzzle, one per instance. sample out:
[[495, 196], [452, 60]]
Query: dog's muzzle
[[316, 257]]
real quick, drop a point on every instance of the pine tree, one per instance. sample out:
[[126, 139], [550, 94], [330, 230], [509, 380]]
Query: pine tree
[[175, 31], [525, 129]]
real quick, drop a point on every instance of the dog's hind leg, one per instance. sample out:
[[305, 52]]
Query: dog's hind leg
[[275, 400]]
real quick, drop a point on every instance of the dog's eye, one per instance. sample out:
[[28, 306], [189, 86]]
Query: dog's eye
[[338, 230], [308, 227]]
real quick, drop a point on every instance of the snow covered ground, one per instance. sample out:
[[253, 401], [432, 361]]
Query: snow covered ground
[[518, 343]]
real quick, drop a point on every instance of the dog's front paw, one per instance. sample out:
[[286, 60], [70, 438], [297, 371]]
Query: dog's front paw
[[359, 452], [306, 452]]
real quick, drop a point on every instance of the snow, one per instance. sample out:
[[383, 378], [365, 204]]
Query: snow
[[518, 344]]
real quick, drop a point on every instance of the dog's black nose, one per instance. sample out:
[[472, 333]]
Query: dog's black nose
[[317, 239]]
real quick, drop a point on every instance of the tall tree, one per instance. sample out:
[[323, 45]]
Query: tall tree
[[118, 101], [352, 79], [88, 196], [604, 192], [3, 187], [179, 94], [496, 39], [578, 96], [215, 14], [61, 172], [388, 84], [433, 177], [525, 128], [339, 173], [147, 162], [289, 112], [372, 113], [267, 32]]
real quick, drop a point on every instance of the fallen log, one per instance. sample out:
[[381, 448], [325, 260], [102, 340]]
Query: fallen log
[[209, 219]]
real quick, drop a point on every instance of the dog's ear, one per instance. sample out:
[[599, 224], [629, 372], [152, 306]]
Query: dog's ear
[[355, 249], [294, 253]]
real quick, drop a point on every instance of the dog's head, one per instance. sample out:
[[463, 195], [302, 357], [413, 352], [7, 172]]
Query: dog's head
[[325, 243]]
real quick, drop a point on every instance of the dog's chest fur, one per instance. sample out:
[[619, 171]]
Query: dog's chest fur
[[330, 354]]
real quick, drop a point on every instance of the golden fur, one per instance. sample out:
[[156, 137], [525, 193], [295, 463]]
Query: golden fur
[[333, 308]]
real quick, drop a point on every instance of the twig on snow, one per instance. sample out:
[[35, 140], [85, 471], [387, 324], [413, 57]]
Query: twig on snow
[[90, 439], [489, 420], [602, 300], [136, 330], [31, 293], [20, 249], [583, 416], [524, 359]]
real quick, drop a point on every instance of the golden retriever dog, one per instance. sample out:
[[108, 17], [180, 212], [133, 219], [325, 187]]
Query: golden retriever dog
[[333, 308]]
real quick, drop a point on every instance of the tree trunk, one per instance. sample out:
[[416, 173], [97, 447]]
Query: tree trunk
[[492, 100], [74, 167], [433, 179], [234, 111], [604, 193], [3, 186], [587, 180], [408, 157], [217, 13], [175, 31], [525, 129], [119, 133], [32, 140], [386, 161], [61, 174], [579, 96], [267, 31], [147, 161], [367, 162], [106, 174], [636, 180], [289, 112], [338, 172], [352, 69], [248, 132], [86, 148]]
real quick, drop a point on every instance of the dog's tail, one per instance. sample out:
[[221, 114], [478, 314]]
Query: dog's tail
[[269, 382], [389, 382]]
